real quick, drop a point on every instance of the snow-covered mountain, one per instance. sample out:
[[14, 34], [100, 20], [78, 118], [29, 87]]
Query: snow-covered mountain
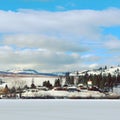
[[23, 71], [27, 71], [59, 73], [32, 72], [104, 71]]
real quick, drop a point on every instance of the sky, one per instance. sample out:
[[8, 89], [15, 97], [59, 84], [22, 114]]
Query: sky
[[59, 35]]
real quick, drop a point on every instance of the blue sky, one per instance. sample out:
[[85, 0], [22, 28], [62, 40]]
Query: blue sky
[[52, 4], [59, 35]]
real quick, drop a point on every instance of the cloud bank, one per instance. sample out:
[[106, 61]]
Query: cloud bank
[[53, 41]]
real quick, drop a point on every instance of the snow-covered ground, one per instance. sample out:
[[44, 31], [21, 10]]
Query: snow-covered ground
[[64, 94], [59, 109], [38, 81], [117, 89]]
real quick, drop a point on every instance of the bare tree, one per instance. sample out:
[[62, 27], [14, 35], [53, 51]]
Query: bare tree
[[18, 83]]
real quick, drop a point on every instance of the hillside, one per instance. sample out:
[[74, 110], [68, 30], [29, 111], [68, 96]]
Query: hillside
[[104, 71]]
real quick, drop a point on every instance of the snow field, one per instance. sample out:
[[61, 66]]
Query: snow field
[[38, 81], [62, 109]]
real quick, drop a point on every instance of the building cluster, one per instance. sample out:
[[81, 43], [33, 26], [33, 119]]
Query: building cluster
[[73, 86]]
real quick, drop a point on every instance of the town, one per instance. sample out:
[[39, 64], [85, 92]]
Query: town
[[75, 85]]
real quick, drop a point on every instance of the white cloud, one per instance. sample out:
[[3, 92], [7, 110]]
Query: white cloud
[[53, 41], [93, 66], [44, 60], [37, 58], [112, 43], [90, 58], [60, 7], [44, 42], [83, 23]]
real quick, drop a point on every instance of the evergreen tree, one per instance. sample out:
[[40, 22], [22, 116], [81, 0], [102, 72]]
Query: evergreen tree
[[105, 67], [33, 85], [67, 81], [47, 84], [6, 90], [13, 90], [57, 83]]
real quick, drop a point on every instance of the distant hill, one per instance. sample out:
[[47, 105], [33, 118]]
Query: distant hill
[[26, 72], [104, 71], [23, 71]]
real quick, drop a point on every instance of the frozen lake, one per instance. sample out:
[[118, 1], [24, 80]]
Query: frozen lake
[[59, 109]]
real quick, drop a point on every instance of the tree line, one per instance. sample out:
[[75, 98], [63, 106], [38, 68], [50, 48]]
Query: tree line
[[103, 82]]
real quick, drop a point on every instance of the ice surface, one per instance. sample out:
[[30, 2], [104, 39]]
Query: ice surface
[[59, 109]]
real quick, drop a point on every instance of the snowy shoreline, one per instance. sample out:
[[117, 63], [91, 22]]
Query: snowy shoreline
[[55, 94], [61, 94]]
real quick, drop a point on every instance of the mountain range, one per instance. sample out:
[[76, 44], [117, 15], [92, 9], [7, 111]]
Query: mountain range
[[103, 71], [26, 72]]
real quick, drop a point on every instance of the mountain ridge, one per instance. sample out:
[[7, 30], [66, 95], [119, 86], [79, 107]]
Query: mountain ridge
[[104, 71], [26, 72]]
